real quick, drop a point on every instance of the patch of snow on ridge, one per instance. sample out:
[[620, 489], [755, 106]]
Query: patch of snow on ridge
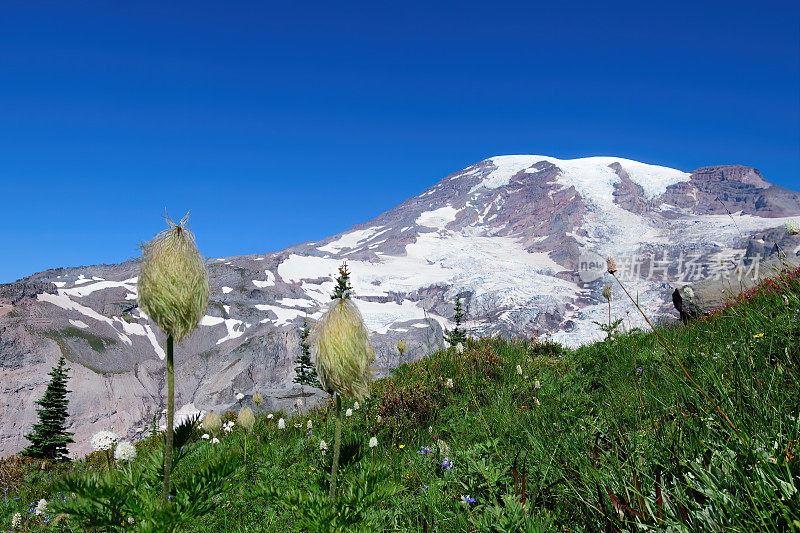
[[438, 218], [285, 315], [78, 324], [83, 290], [351, 239], [231, 324], [270, 280], [505, 167]]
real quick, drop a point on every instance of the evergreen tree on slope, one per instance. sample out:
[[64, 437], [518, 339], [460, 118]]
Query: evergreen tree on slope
[[457, 335], [306, 373], [49, 439]]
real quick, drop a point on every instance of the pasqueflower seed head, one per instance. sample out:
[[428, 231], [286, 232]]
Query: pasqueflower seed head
[[342, 352], [257, 398], [281, 424], [173, 281], [373, 442], [607, 292], [401, 347], [246, 419], [212, 423]]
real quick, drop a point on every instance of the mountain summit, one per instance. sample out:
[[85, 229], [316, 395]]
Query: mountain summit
[[522, 239]]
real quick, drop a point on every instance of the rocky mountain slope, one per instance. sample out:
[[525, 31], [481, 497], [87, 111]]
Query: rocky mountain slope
[[521, 238]]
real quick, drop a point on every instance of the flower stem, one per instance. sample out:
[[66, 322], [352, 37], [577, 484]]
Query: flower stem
[[336, 444], [170, 416]]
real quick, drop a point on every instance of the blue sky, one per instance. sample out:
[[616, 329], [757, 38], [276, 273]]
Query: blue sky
[[282, 122]]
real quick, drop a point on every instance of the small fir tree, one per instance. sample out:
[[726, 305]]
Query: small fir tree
[[49, 439], [457, 335], [306, 373], [343, 288]]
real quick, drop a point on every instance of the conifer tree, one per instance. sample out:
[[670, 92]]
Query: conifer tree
[[343, 288], [306, 373], [49, 439], [457, 335]]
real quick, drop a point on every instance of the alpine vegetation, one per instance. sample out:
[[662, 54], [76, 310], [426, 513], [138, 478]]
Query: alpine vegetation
[[173, 291]]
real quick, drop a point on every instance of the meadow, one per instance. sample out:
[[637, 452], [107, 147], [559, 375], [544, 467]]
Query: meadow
[[682, 428]]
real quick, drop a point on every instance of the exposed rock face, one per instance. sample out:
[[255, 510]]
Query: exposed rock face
[[522, 239]]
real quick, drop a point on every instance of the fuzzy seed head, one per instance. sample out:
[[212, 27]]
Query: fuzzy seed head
[[793, 227], [342, 352], [281, 424], [246, 419], [257, 398], [173, 281], [607, 292], [212, 423], [689, 292], [401, 347]]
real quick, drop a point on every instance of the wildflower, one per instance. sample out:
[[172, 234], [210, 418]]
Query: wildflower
[[459, 348], [342, 350], [430, 430], [607, 292], [379, 419], [373, 442], [212, 423], [447, 464], [537, 385], [323, 445], [131, 520], [103, 440], [257, 398], [239, 396], [611, 265], [125, 451], [16, 522], [449, 383], [423, 450], [758, 335], [519, 370], [401, 446], [425, 487], [41, 507], [349, 412], [444, 449], [689, 292], [309, 425], [792, 227], [536, 401], [246, 419], [281, 424], [299, 403], [215, 440], [298, 425], [356, 407], [228, 427], [269, 416], [467, 499]]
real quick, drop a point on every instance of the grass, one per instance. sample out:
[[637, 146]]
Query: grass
[[611, 436]]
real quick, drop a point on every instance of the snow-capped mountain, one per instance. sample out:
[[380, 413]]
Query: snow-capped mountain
[[522, 239]]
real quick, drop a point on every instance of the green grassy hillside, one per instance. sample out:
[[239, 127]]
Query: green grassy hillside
[[685, 428]]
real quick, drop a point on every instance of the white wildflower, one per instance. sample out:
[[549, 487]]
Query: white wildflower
[[125, 451], [103, 440], [281, 424], [41, 507], [309, 425], [215, 440], [16, 522], [239, 396], [205, 436], [349, 412], [323, 445], [537, 385], [379, 419], [793, 227], [449, 383], [689, 292], [373, 442], [131, 520], [270, 416], [519, 370], [459, 348], [356, 406], [536, 401]]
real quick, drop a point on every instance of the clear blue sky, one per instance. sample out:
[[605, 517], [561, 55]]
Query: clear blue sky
[[286, 121]]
